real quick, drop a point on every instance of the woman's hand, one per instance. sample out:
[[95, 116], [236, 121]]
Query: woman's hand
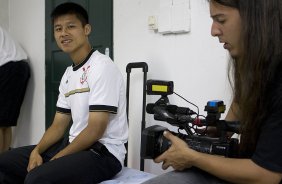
[[179, 155]]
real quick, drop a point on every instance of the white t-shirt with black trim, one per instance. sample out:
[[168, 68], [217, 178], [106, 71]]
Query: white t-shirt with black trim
[[96, 85]]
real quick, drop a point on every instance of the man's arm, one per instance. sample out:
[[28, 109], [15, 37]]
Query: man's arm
[[95, 129], [53, 134]]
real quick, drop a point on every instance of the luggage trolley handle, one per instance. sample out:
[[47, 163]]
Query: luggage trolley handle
[[130, 66], [142, 65]]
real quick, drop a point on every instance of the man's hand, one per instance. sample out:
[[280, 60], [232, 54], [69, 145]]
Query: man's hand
[[58, 155], [178, 156], [35, 160]]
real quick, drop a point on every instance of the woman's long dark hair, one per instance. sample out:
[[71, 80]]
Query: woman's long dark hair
[[261, 37]]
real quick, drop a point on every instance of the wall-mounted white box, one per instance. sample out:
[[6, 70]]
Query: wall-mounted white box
[[174, 16]]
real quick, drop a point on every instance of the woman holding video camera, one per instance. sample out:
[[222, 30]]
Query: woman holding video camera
[[251, 31]]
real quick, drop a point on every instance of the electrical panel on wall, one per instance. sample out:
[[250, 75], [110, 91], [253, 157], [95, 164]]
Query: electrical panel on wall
[[174, 16]]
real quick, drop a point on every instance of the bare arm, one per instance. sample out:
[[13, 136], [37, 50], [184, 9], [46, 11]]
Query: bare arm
[[53, 134], [241, 171], [232, 112], [95, 129]]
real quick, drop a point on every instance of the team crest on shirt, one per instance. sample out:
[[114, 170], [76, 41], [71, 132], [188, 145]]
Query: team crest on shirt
[[83, 77]]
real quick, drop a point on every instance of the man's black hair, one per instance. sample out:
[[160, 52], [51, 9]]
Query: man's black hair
[[70, 8]]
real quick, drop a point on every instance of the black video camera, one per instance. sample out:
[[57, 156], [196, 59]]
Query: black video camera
[[153, 143]]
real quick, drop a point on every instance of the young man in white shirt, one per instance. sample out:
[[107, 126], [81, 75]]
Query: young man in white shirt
[[92, 95]]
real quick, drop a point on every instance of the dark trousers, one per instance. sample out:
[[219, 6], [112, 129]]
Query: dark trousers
[[14, 78], [91, 166]]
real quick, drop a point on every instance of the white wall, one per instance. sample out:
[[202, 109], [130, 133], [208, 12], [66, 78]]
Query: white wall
[[4, 14], [27, 25], [195, 62]]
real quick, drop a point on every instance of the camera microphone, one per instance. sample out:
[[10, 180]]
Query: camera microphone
[[150, 108], [170, 108], [171, 113], [162, 114], [179, 110]]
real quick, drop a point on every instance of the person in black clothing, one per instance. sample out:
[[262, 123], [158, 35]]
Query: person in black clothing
[[251, 31]]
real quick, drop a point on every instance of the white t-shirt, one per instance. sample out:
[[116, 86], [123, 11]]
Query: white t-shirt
[[96, 85], [10, 50]]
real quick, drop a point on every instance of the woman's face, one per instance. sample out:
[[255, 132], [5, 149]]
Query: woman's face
[[227, 27]]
